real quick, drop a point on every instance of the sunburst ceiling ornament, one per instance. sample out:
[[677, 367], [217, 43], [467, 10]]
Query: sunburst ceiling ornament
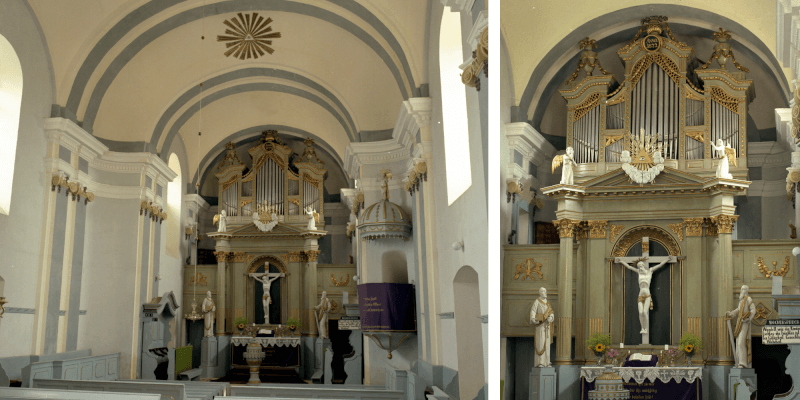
[[249, 36]]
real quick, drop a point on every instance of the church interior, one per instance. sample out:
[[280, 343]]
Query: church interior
[[650, 167], [252, 198]]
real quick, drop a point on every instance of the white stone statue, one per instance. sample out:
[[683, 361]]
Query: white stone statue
[[222, 219], [567, 177], [645, 302], [541, 316], [311, 216], [266, 280], [727, 156], [208, 309], [743, 314], [265, 226], [324, 308]]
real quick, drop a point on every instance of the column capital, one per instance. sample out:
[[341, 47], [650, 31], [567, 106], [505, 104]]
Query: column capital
[[597, 229], [419, 108], [296, 256], [312, 255], [566, 227], [239, 256], [694, 226], [221, 256], [724, 223]]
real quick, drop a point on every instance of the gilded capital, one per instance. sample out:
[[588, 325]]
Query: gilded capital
[[724, 223], [711, 227], [239, 257], [312, 255], [296, 256], [221, 256], [694, 226], [678, 229], [581, 232], [597, 229], [566, 227]]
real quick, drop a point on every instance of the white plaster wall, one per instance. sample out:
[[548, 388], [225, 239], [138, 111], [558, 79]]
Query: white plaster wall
[[108, 279], [21, 230], [776, 214], [466, 219]]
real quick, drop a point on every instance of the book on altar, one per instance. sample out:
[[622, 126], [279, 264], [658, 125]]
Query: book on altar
[[640, 357]]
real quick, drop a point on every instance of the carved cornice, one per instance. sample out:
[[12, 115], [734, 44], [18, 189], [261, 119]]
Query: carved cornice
[[566, 227], [678, 229], [694, 226], [312, 255], [724, 223], [597, 229], [221, 256]]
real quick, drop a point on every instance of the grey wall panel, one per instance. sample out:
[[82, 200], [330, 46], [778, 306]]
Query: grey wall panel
[[83, 165], [113, 178], [56, 263], [64, 153], [77, 275], [148, 182], [157, 255]]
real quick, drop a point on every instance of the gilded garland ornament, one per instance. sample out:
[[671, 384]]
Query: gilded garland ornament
[[775, 272], [588, 60], [528, 267], [723, 51], [248, 36], [341, 281]]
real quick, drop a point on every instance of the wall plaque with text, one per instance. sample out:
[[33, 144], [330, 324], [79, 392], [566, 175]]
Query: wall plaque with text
[[780, 334]]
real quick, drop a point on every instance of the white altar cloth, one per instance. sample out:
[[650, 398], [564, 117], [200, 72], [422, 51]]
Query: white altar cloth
[[267, 341], [639, 374]]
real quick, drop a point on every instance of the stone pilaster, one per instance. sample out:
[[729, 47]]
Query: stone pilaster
[[222, 258], [566, 231], [723, 269], [238, 273]]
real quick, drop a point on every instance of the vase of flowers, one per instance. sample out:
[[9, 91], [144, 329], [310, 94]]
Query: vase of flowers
[[672, 354], [293, 324], [240, 323], [598, 343], [690, 344], [612, 355]]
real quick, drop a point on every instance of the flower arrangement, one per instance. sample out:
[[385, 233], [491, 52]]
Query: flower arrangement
[[598, 343], [672, 353], [612, 353], [690, 343], [240, 323]]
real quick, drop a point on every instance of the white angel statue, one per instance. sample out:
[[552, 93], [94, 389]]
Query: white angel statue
[[567, 177], [312, 217], [222, 219], [262, 226], [727, 156]]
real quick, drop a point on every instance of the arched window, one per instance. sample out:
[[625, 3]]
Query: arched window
[[454, 107], [174, 204], [10, 104]]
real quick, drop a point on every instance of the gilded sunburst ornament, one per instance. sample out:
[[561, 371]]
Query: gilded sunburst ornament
[[249, 36]]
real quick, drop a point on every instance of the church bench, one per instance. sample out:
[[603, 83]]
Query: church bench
[[175, 391], [315, 392], [105, 367], [29, 393], [189, 375], [195, 389]]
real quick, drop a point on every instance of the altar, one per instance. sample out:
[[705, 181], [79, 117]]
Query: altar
[[279, 352], [655, 383]]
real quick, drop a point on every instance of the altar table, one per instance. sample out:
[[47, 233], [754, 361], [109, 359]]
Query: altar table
[[280, 352], [651, 383]]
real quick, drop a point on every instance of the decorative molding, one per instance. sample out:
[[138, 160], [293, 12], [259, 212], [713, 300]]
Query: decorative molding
[[250, 38], [296, 256], [775, 271], [566, 227], [447, 315], [534, 148], [724, 223], [239, 257], [635, 235], [678, 229], [458, 5], [312, 255], [615, 230], [198, 280], [221, 256], [17, 310], [528, 267], [68, 134]]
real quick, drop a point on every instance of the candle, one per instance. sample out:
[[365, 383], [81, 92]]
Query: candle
[[666, 347], [622, 345]]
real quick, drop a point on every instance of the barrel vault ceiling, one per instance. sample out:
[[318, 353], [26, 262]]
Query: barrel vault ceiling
[[142, 74]]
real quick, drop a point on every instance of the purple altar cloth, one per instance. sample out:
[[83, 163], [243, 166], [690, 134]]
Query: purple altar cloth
[[655, 390]]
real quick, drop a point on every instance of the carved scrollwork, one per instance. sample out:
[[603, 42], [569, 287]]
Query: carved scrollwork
[[615, 230], [528, 267], [678, 229], [597, 229]]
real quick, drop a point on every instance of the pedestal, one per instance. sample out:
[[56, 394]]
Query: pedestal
[[208, 357], [328, 369], [741, 383], [254, 355], [543, 384], [319, 359], [646, 338]]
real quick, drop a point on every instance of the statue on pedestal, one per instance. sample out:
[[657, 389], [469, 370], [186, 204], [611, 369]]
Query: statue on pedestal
[[645, 302], [727, 155], [567, 177], [222, 219], [744, 314], [324, 308], [208, 309], [312, 217], [541, 316]]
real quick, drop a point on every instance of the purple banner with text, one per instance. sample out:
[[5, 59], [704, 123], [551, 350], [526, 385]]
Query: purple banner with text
[[387, 307]]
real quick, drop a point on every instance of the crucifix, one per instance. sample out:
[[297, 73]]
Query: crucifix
[[266, 280], [645, 301]]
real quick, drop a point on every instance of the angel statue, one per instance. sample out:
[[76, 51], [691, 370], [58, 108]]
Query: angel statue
[[567, 178], [312, 217], [265, 226], [222, 219], [727, 157]]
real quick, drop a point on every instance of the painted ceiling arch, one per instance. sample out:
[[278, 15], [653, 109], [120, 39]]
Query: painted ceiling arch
[[535, 70]]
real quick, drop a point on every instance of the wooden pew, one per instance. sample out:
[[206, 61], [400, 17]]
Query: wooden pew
[[105, 367], [195, 389], [29, 393], [174, 391], [316, 392]]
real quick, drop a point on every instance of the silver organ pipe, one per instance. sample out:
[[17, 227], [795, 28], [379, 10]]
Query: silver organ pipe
[[725, 126], [586, 136], [230, 200], [655, 109], [269, 186], [615, 116]]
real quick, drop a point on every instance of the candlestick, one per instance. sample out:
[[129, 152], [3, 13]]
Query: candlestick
[[622, 345], [666, 347]]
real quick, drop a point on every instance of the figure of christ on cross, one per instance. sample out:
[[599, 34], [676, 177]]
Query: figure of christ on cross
[[266, 280], [645, 272]]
